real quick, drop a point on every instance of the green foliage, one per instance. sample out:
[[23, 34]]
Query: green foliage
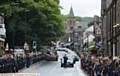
[[29, 20], [87, 19], [78, 18]]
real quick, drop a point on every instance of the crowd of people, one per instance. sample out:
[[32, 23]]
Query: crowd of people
[[97, 65], [11, 64]]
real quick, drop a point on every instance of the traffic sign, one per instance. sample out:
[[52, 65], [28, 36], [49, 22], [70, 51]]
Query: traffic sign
[[34, 44]]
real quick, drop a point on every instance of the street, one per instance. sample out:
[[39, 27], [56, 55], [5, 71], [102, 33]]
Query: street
[[54, 69]]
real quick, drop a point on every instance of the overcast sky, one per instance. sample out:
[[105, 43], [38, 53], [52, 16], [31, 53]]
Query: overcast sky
[[81, 7]]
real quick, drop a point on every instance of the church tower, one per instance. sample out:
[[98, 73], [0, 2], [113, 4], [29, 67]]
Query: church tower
[[71, 21], [70, 26]]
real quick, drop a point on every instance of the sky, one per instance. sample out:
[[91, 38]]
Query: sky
[[81, 7]]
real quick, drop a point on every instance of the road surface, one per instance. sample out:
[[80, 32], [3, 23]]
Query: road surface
[[50, 68]]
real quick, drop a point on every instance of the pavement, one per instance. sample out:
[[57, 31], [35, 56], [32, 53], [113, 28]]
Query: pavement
[[53, 68]]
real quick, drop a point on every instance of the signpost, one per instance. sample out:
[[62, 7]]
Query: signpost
[[26, 47], [34, 46]]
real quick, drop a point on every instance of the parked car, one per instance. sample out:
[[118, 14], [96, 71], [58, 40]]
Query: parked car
[[49, 55]]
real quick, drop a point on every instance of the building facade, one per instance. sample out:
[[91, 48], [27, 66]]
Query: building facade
[[97, 23], [73, 31], [110, 12], [93, 33]]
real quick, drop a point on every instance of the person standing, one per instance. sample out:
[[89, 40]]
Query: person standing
[[98, 68], [1, 65], [27, 61], [65, 58], [75, 59]]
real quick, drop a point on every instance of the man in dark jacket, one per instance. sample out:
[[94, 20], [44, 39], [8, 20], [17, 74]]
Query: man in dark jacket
[[27, 61], [65, 59], [75, 59], [98, 69]]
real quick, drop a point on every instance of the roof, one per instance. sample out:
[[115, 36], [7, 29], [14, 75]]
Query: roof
[[90, 29], [83, 24], [71, 14]]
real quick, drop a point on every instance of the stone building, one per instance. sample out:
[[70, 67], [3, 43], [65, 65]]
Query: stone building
[[97, 28], [110, 12], [71, 22], [73, 30], [94, 30]]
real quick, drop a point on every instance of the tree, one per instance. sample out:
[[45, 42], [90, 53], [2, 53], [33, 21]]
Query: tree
[[28, 20]]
